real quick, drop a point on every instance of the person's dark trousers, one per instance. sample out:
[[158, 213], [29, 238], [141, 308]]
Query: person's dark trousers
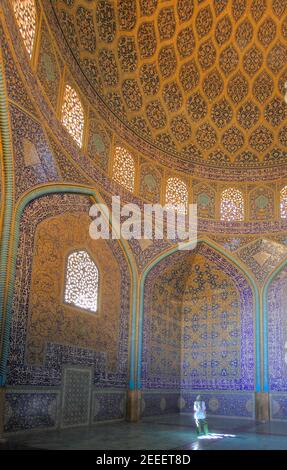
[[201, 427]]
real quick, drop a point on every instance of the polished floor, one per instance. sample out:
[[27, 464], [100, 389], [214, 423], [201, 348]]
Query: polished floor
[[160, 433]]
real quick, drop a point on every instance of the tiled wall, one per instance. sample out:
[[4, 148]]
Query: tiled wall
[[278, 406], [44, 408], [223, 404], [73, 353], [31, 409], [159, 402], [198, 334], [241, 405], [277, 333], [34, 397]]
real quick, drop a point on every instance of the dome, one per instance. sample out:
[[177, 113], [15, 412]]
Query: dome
[[143, 214], [202, 81]]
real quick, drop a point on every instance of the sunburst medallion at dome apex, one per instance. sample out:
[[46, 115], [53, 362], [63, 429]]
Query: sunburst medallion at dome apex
[[204, 79]]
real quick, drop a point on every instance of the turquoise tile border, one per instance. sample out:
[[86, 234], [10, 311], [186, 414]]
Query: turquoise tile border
[[7, 202]]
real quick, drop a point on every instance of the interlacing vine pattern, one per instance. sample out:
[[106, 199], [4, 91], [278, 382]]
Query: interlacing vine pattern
[[73, 114], [124, 168], [211, 72], [232, 205], [25, 13], [82, 281]]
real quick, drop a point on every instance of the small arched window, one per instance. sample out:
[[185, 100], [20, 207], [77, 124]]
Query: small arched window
[[73, 114], [81, 281], [25, 14], [232, 205], [176, 194], [283, 202], [124, 168]]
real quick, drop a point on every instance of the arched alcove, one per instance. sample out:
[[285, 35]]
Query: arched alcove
[[276, 343], [68, 353], [152, 101], [198, 335]]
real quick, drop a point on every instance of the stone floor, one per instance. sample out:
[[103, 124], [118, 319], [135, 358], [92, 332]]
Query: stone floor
[[160, 433]]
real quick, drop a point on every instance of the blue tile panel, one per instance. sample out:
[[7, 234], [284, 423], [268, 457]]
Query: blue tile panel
[[109, 405], [159, 403], [278, 406], [30, 410], [222, 404]]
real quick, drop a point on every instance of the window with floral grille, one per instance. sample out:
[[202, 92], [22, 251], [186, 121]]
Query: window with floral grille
[[82, 281], [232, 205], [124, 168], [283, 202], [176, 194], [25, 13], [73, 114]]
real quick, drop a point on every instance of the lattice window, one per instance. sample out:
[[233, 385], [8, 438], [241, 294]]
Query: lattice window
[[176, 194], [124, 168], [82, 281], [73, 114], [283, 202], [232, 205], [25, 13]]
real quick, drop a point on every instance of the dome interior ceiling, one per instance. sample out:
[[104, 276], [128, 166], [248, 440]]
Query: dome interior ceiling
[[202, 79]]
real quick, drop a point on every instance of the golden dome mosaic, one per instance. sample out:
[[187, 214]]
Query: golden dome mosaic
[[202, 79]]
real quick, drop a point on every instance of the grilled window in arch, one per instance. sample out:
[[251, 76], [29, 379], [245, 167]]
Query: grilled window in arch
[[73, 114], [176, 194], [283, 202], [81, 281], [232, 205], [25, 13], [124, 168]]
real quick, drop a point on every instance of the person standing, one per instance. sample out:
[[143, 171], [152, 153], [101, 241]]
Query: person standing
[[200, 416]]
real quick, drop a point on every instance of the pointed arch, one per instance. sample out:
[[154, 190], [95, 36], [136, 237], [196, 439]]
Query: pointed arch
[[124, 168], [73, 117], [26, 17], [249, 279], [261, 203], [9, 291], [232, 205], [176, 194], [150, 180], [204, 196], [81, 281], [265, 291], [7, 199]]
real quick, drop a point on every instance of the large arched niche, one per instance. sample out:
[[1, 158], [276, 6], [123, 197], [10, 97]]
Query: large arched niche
[[198, 335], [276, 332], [59, 353]]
